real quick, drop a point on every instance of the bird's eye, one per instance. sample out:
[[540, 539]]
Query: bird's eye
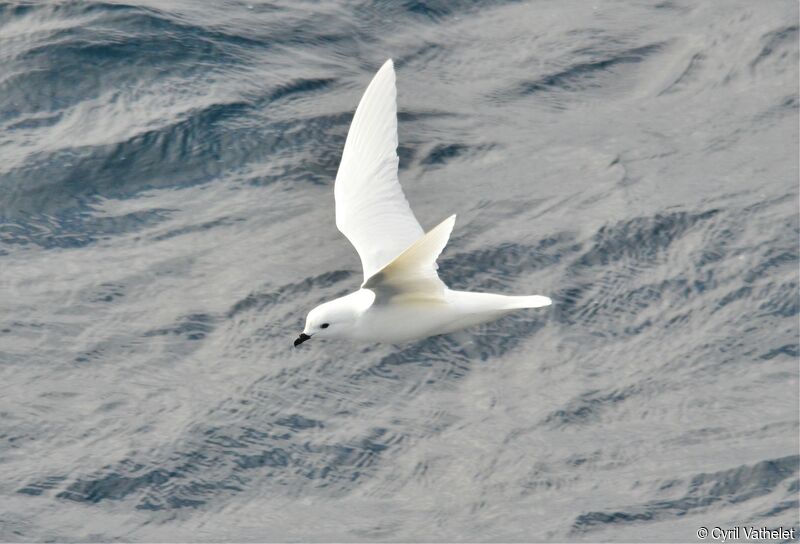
[[324, 325]]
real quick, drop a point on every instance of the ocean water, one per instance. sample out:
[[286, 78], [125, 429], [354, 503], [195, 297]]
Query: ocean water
[[166, 221]]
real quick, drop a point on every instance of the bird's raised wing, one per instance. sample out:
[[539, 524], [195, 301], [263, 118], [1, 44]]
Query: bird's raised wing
[[371, 210], [411, 276]]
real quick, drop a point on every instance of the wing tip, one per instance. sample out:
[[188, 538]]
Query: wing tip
[[446, 224], [386, 68]]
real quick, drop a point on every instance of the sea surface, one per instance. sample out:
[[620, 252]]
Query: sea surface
[[167, 221]]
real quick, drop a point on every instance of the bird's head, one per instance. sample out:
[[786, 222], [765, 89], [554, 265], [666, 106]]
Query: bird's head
[[337, 318]]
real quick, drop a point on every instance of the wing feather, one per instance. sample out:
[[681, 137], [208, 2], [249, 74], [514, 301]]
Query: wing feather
[[371, 209], [412, 274]]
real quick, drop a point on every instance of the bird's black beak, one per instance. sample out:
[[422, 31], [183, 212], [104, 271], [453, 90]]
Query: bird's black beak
[[302, 338]]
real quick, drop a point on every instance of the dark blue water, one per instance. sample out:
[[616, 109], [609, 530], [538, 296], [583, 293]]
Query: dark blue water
[[166, 221]]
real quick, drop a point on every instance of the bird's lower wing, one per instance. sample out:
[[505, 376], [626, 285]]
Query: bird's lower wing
[[412, 276]]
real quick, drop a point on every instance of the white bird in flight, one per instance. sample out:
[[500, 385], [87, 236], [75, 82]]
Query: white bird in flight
[[402, 297]]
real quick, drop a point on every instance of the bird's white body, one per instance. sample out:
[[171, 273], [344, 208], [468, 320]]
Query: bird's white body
[[402, 297], [413, 319]]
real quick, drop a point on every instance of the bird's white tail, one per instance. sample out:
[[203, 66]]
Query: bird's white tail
[[471, 302], [532, 301]]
